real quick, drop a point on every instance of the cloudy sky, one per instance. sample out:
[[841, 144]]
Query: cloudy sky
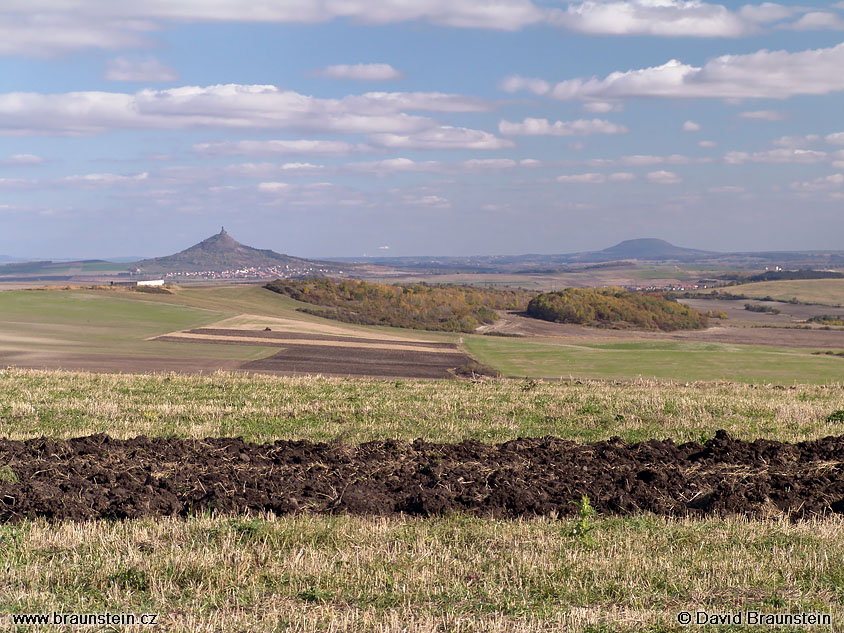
[[405, 127]]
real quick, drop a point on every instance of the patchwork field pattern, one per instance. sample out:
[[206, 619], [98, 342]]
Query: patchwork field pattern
[[332, 354]]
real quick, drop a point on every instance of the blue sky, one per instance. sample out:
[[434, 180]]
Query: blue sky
[[343, 128]]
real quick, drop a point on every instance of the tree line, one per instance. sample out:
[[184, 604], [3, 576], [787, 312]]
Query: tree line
[[614, 307], [440, 307]]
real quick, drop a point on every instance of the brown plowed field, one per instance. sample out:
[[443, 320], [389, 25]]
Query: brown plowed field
[[306, 353], [99, 477], [344, 361]]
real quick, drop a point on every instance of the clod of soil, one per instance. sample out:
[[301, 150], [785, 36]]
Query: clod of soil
[[99, 477]]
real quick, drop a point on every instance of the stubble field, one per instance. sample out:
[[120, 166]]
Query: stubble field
[[330, 570]]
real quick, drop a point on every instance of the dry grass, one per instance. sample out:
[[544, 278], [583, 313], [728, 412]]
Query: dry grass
[[300, 325], [344, 573], [266, 408]]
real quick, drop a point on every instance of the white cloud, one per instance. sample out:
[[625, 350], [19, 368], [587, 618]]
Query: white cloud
[[663, 177], [273, 187], [776, 156], [435, 202], [763, 115], [397, 165], [541, 127], [595, 178], [231, 106], [796, 141], [761, 75], [727, 189], [767, 12], [427, 101], [278, 148], [242, 170], [102, 180], [301, 167], [639, 160], [17, 183], [483, 164], [22, 159], [530, 162], [516, 83], [150, 70], [361, 72], [819, 20], [836, 139], [50, 32], [707, 143], [819, 184], [443, 137], [672, 18], [589, 178], [602, 107], [394, 165], [50, 27], [691, 126]]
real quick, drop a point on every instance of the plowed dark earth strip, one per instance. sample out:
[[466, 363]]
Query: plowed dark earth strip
[[355, 361], [98, 477]]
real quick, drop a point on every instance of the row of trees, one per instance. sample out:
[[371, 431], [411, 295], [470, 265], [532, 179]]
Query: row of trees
[[828, 319], [421, 306], [780, 275], [757, 307], [614, 307]]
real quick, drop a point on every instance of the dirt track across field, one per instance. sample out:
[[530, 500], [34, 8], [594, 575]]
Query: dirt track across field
[[99, 477]]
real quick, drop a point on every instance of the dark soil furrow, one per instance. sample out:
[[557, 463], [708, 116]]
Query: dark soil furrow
[[100, 477]]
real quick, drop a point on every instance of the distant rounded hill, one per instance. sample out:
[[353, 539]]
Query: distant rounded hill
[[221, 252], [650, 248]]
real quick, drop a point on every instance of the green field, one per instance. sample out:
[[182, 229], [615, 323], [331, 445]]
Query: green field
[[103, 322], [453, 573], [667, 360], [829, 292]]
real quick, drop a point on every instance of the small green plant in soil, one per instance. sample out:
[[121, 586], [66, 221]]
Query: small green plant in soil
[[7, 475], [583, 525]]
